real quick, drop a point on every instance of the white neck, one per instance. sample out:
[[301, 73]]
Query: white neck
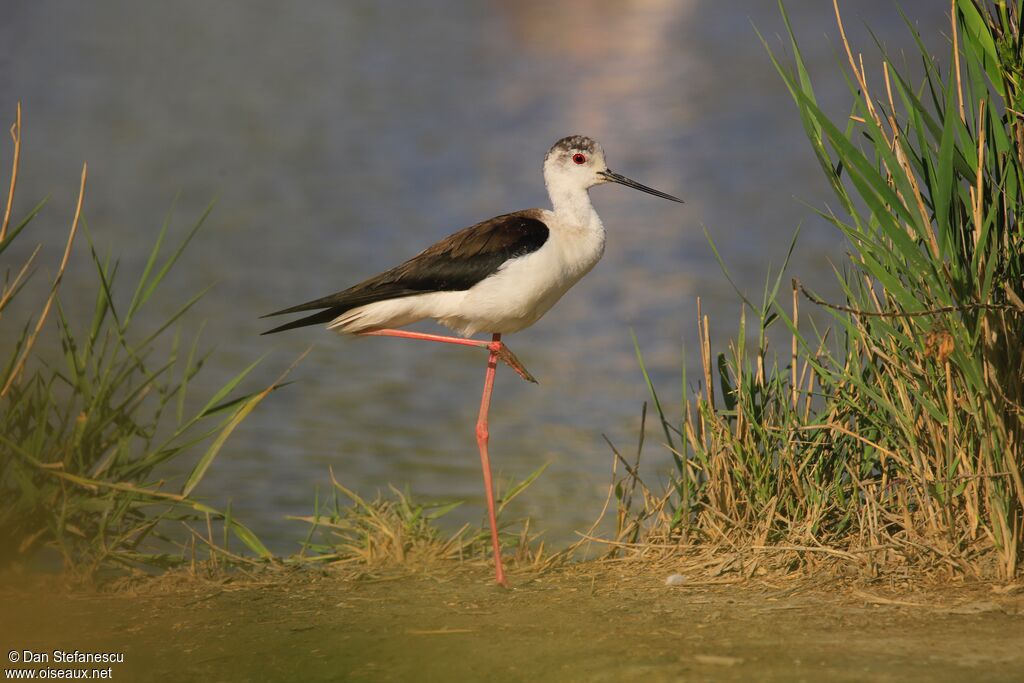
[[570, 201]]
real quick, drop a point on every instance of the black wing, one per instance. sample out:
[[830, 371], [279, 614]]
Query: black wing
[[453, 264]]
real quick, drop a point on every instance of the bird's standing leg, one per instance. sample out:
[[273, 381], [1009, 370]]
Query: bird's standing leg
[[496, 346], [497, 351], [482, 435]]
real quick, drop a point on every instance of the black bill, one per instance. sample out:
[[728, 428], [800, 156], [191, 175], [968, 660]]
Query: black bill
[[623, 180]]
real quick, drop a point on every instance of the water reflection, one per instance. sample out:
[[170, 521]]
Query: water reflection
[[343, 137]]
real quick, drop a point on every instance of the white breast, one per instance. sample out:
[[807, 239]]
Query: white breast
[[525, 288]]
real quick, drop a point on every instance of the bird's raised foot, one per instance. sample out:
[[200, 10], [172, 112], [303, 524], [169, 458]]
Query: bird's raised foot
[[506, 356]]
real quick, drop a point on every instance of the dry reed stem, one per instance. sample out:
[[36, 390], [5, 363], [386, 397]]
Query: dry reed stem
[[976, 191], [853, 435], [794, 348], [740, 414], [16, 136], [956, 58], [808, 549], [878, 600], [904, 162], [216, 550], [857, 72], [23, 358], [814, 298], [15, 285]]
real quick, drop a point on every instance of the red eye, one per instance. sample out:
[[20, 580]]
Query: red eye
[[579, 158]]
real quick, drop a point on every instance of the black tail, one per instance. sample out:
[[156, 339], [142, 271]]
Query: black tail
[[315, 319], [339, 299]]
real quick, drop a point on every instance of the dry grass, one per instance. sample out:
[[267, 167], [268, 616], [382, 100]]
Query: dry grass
[[397, 530]]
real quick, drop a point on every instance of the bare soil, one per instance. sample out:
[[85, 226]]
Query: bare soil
[[592, 622]]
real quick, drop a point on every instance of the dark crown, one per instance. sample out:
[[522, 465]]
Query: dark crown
[[573, 143]]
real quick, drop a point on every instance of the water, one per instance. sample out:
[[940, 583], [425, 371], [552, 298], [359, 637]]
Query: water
[[343, 137]]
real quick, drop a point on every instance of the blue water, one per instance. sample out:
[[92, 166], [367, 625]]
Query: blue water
[[340, 138]]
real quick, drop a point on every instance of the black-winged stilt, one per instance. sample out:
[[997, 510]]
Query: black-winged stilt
[[498, 276]]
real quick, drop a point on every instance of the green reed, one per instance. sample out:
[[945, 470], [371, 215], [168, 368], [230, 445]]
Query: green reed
[[897, 432], [83, 437]]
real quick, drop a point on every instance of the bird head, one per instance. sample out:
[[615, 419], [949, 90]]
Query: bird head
[[579, 161]]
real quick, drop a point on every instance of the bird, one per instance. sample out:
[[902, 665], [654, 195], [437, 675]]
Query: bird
[[499, 276]]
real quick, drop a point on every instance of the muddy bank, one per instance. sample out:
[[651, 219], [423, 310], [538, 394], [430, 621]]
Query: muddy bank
[[587, 623]]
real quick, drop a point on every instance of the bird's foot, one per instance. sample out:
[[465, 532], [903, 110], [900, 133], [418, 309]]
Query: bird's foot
[[506, 356]]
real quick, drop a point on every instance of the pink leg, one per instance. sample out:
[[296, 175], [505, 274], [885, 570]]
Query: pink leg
[[481, 440], [496, 346], [498, 351]]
